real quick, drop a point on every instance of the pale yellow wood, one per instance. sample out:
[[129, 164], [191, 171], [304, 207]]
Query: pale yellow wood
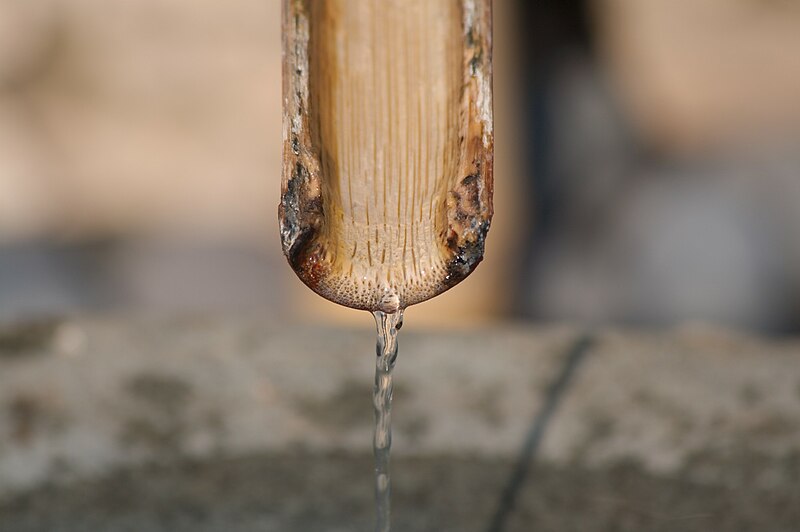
[[388, 146]]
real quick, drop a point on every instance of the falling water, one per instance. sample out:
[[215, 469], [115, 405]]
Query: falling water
[[386, 349]]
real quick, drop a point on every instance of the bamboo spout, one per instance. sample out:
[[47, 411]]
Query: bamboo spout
[[388, 146]]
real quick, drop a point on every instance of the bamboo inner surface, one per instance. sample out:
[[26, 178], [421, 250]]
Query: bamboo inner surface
[[386, 81]]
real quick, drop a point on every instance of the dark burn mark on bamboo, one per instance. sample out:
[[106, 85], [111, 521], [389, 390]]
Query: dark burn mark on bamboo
[[470, 219], [459, 214], [466, 256], [475, 62], [472, 192], [470, 180], [301, 216], [466, 200]]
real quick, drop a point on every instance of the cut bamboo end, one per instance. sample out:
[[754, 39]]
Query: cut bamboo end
[[388, 146]]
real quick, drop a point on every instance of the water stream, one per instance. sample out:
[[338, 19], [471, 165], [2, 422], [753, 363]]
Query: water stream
[[386, 350]]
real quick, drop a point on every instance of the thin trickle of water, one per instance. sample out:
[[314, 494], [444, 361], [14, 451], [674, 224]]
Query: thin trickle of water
[[386, 350]]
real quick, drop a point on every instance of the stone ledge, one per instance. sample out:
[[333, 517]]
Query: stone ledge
[[84, 397]]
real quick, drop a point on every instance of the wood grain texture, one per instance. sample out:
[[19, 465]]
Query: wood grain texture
[[388, 145]]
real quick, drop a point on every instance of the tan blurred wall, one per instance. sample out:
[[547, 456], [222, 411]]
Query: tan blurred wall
[[698, 74], [139, 116]]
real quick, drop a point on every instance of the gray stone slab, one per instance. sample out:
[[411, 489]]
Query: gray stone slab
[[285, 492], [82, 397], [703, 403], [240, 425]]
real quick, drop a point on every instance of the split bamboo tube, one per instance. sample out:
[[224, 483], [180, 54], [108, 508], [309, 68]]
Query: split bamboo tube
[[388, 146]]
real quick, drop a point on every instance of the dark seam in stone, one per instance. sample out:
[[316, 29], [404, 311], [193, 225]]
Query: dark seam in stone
[[552, 399]]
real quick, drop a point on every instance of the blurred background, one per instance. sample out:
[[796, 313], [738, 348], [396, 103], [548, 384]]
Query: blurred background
[[648, 163]]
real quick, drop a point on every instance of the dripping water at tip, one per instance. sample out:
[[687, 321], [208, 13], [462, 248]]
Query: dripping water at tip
[[386, 351]]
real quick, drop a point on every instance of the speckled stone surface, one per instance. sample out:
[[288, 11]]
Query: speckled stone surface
[[239, 424]]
